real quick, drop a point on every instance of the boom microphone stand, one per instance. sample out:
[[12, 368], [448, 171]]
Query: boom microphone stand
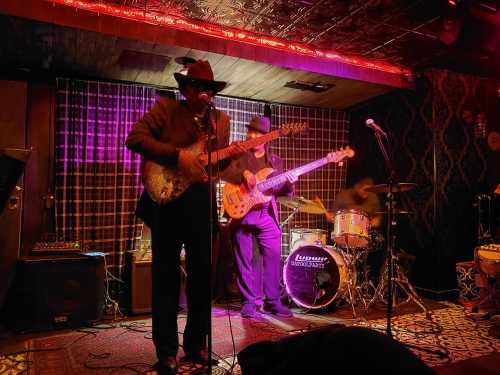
[[392, 188], [390, 220], [211, 128]]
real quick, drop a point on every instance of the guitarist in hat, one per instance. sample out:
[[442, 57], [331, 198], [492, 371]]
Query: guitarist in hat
[[261, 223], [163, 135]]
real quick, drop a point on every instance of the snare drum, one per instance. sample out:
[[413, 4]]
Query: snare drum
[[488, 260], [351, 229], [315, 275], [304, 236]]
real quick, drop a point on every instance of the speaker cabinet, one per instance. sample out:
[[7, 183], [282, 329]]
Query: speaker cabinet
[[55, 292], [140, 281]]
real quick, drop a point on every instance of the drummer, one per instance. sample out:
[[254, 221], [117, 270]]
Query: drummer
[[359, 199]]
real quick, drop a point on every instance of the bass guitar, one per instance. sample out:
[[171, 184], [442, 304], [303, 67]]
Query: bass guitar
[[238, 200], [165, 183]]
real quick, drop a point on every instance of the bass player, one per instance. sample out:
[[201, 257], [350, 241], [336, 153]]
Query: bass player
[[261, 223]]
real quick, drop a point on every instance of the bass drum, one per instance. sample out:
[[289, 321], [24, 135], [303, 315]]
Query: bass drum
[[314, 276]]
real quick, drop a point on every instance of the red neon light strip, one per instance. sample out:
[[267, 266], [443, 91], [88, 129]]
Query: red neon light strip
[[177, 22]]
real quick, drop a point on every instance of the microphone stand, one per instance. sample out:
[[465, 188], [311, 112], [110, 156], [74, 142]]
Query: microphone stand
[[211, 127], [391, 223]]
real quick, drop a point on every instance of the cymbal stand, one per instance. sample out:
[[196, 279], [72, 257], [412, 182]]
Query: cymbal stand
[[292, 214]]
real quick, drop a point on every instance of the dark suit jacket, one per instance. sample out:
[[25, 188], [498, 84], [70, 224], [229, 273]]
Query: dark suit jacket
[[169, 125]]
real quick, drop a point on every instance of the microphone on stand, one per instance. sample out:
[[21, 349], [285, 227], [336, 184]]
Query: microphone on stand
[[371, 124]]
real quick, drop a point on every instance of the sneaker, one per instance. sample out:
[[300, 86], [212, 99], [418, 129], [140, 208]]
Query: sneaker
[[277, 309], [248, 310]]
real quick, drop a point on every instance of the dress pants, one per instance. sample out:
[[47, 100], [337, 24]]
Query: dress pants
[[182, 221], [261, 224]]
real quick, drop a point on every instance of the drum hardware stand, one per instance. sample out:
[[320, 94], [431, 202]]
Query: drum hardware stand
[[363, 288], [402, 281], [352, 295], [294, 211]]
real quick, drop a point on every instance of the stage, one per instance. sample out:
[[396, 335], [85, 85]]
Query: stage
[[125, 346]]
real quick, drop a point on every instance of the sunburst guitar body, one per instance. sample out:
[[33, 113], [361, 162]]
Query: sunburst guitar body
[[238, 200]]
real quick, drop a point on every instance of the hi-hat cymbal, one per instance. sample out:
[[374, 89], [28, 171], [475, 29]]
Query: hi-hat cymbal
[[302, 204], [396, 188]]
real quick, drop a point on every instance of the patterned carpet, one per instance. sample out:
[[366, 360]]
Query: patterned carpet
[[127, 348], [449, 331], [13, 364]]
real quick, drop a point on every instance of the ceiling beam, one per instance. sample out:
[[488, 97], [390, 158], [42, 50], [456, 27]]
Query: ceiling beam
[[117, 22]]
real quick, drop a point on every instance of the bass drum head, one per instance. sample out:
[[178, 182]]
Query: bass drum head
[[313, 276]]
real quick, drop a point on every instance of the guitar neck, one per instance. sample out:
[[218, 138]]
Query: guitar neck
[[246, 145], [281, 178]]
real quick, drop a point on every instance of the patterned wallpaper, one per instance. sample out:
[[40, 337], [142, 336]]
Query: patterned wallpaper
[[437, 146]]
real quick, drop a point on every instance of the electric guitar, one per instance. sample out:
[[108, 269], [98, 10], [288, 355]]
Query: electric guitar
[[238, 200], [164, 183]]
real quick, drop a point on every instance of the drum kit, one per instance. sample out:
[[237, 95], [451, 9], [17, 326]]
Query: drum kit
[[316, 274]]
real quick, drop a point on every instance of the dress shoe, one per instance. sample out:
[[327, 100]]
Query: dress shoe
[[248, 310], [200, 357], [278, 309], [166, 366]]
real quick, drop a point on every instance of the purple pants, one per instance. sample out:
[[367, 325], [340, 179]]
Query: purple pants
[[258, 223]]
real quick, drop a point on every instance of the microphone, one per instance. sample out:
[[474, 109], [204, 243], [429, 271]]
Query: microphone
[[371, 124], [203, 96]]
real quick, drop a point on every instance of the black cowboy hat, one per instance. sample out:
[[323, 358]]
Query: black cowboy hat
[[200, 74]]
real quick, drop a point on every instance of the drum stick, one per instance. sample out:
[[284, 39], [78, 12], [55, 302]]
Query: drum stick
[[328, 216]]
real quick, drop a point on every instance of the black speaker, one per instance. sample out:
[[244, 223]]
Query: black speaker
[[55, 292], [333, 349]]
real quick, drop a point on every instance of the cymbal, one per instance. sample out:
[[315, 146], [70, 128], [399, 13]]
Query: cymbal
[[396, 188], [395, 211], [303, 205]]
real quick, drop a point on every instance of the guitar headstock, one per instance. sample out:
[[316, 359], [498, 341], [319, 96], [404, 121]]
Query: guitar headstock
[[341, 154], [292, 128]]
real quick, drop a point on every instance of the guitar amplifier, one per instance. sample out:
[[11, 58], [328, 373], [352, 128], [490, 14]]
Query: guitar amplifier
[[139, 280], [56, 291]]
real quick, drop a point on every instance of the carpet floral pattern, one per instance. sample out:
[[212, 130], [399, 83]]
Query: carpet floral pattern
[[449, 330], [128, 348], [13, 364]]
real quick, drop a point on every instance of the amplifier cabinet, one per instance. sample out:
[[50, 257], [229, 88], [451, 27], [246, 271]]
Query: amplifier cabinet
[[139, 280], [141, 287], [55, 292]]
